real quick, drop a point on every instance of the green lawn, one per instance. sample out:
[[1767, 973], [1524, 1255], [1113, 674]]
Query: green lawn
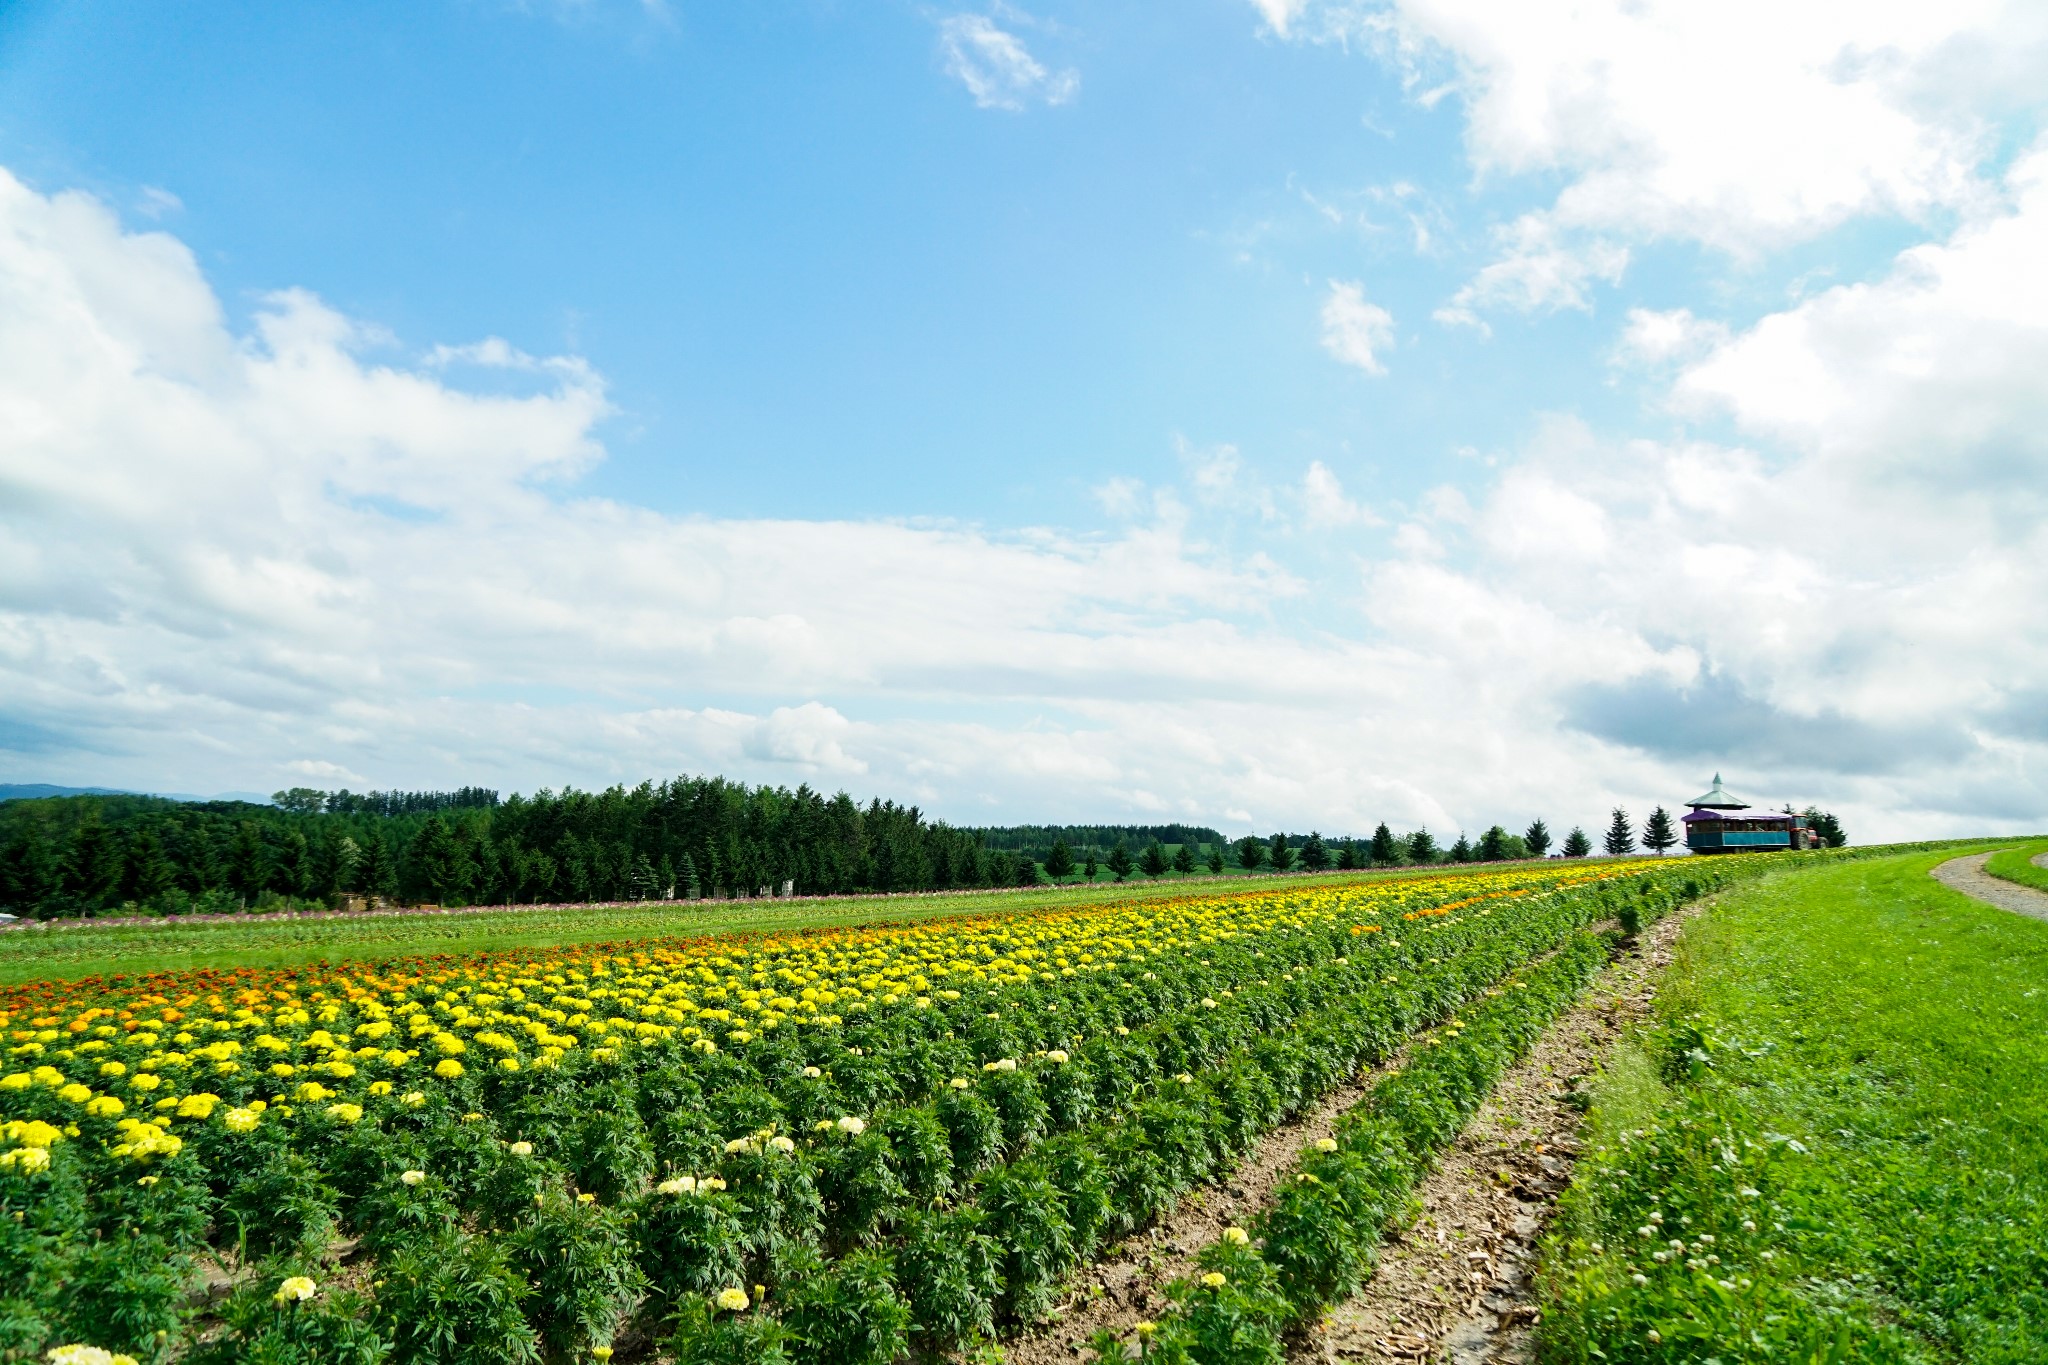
[[2017, 865], [1847, 1093], [71, 949]]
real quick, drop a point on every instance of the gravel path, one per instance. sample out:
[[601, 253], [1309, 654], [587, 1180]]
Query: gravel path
[[1968, 876]]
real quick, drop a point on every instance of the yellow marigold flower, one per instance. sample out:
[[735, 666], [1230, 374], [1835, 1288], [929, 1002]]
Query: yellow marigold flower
[[413, 1098], [1236, 1236], [681, 1184], [1057, 1056], [76, 1093], [448, 1068], [242, 1120], [1326, 1144], [732, 1300], [345, 1113], [522, 1149], [103, 1106], [145, 1081], [1214, 1280], [958, 1083], [412, 1177], [113, 1068], [852, 1126], [19, 1080], [86, 1355], [27, 1160], [296, 1289], [381, 1087]]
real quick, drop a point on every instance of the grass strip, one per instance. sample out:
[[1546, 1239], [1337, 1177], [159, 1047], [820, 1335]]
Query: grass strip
[[2017, 865], [1831, 1145]]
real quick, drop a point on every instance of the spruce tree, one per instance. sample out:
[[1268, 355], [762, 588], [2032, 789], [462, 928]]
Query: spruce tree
[[1347, 855], [1251, 851], [1576, 844], [1657, 832], [1621, 835], [1153, 861], [1059, 861], [1281, 854], [1120, 861], [1027, 871], [1090, 867], [1183, 859], [1537, 837], [151, 873], [1493, 845], [1421, 847], [1462, 851], [1315, 855], [1385, 851], [1216, 859]]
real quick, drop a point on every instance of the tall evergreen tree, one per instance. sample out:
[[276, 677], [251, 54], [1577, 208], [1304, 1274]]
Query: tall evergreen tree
[[438, 862], [248, 861], [1251, 852], [1059, 862], [1153, 861], [1281, 855], [379, 874], [1315, 854], [151, 873], [1183, 859], [1621, 836], [1537, 838], [1462, 852], [1576, 844], [1090, 868], [1385, 850], [1120, 861], [1493, 845], [1657, 832], [1826, 826], [1027, 872], [1216, 859], [1421, 847]]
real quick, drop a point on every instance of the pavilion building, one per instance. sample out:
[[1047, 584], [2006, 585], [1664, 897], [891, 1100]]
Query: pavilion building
[[1720, 823]]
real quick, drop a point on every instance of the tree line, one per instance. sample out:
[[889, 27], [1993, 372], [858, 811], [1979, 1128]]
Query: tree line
[[688, 838]]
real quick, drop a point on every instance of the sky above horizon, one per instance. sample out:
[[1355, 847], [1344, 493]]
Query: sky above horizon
[[1282, 414]]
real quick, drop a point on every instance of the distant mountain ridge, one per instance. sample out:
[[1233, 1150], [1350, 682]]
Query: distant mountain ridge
[[31, 791]]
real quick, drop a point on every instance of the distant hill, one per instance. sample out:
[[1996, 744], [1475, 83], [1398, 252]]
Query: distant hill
[[30, 791]]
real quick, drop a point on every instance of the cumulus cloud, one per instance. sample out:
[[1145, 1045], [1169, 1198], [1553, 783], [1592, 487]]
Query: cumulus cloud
[[1355, 330], [997, 68]]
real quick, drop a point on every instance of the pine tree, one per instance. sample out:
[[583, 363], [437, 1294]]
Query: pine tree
[[1621, 836], [438, 862], [348, 865], [1315, 855], [1027, 872], [1576, 844], [1347, 855], [1120, 861], [1152, 862], [1461, 852], [686, 878], [248, 861], [1657, 832], [151, 873], [1090, 867], [1059, 862], [1537, 837], [1281, 854], [1183, 859], [1421, 847], [1251, 851], [1385, 851], [667, 873], [1216, 859], [1493, 845]]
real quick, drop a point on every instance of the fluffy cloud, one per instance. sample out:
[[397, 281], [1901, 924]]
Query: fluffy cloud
[[1354, 330], [235, 560], [997, 68]]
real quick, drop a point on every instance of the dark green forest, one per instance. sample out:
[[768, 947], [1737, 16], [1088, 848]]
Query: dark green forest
[[692, 837]]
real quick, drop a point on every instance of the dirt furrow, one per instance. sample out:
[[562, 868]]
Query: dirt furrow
[[1454, 1285]]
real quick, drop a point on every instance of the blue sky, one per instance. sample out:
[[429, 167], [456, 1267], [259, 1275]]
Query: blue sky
[[1271, 412]]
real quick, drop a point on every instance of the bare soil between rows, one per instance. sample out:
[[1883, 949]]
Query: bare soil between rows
[[1454, 1285]]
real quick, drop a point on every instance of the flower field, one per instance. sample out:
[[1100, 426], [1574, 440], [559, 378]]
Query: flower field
[[848, 1145]]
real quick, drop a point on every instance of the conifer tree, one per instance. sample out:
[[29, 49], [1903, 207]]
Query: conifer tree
[[1493, 845], [1385, 851], [1537, 837], [1347, 855], [1090, 867], [1281, 854], [1657, 832], [1183, 859], [1576, 844], [1621, 835], [1120, 861], [1153, 862], [1461, 852], [1315, 855], [1421, 847], [1251, 851], [1059, 861], [1216, 859]]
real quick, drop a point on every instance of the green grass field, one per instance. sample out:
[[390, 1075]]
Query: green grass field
[[72, 949], [1834, 1144], [2017, 865]]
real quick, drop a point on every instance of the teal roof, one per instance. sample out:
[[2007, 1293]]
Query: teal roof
[[1719, 799]]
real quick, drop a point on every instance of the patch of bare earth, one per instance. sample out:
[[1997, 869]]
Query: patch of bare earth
[[1454, 1285]]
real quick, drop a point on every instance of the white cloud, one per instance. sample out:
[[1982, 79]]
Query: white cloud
[[1354, 330], [1653, 338], [1280, 14], [1324, 504], [997, 68], [1537, 272], [222, 553]]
